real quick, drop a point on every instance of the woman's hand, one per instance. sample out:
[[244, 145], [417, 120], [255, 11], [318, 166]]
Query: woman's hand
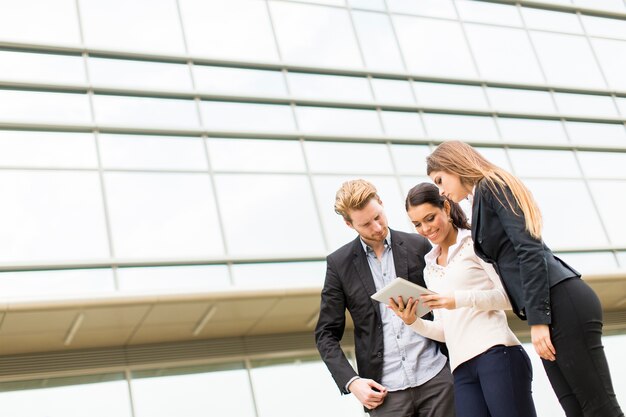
[[439, 301], [408, 312], [540, 336]]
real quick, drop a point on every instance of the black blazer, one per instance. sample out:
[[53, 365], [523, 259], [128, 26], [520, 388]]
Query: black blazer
[[349, 285], [527, 267]]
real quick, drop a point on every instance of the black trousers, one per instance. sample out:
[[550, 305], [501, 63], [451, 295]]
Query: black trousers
[[580, 375]]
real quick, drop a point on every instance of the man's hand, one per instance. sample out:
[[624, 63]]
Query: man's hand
[[362, 390], [540, 336]]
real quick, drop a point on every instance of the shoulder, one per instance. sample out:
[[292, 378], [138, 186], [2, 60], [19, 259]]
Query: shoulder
[[412, 240]]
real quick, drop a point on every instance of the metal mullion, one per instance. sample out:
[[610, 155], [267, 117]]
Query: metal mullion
[[128, 378], [560, 8]]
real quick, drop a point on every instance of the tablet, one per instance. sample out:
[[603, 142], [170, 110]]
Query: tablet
[[402, 287]]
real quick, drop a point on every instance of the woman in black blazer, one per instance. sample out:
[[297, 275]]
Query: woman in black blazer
[[564, 314]]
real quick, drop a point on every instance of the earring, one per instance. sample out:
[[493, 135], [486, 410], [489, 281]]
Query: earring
[[450, 219]]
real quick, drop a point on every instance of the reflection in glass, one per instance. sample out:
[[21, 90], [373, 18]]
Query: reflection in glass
[[40, 21], [334, 157], [327, 120], [141, 25], [47, 149], [95, 396], [564, 221], [151, 152], [163, 215], [567, 60], [608, 195], [329, 87], [315, 35], [218, 115], [51, 215], [543, 163], [40, 107], [145, 112], [377, 40], [520, 101], [277, 396], [220, 390], [611, 54], [281, 275], [446, 49], [255, 207], [139, 74], [504, 54], [532, 130], [61, 283], [241, 81], [450, 95], [255, 155], [392, 91], [448, 126], [41, 68], [399, 124], [174, 278]]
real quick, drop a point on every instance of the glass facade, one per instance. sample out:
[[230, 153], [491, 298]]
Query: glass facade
[[198, 147]]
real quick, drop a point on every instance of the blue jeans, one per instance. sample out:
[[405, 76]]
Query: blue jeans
[[496, 383]]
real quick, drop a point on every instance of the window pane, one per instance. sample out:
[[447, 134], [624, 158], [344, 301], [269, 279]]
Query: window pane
[[236, 29], [567, 60], [496, 156], [47, 149], [392, 91], [549, 20], [329, 87], [609, 5], [338, 121], [368, 4], [596, 133], [542, 163], [337, 233], [608, 197], [39, 21], [151, 152], [222, 389], [450, 95], [41, 68], [611, 56], [49, 284], [283, 213], [445, 53], [434, 8], [277, 396], [503, 54], [603, 164], [315, 35], [96, 396], [142, 25], [520, 101], [410, 159], [281, 275], [400, 124], [605, 27], [590, 263], [51, 216], [377, 40], [348, 157], [254, 155], [488, 13], [621, 104], [166, 215], [248, 117], [447, 126], [139, 74], [554, 198], [145, 112], [174, 278], [532, 130], [39, 107], [239, 81], [585, 105]]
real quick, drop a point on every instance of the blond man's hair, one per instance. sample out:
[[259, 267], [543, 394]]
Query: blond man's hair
[[354, 195], [461, 159]]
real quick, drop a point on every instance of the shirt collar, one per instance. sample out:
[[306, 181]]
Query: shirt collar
[[387, 242]]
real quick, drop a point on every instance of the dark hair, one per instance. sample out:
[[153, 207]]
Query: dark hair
[[427, 193]]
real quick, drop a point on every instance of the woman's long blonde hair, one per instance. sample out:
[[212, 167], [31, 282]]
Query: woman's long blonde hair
[[461, 159]]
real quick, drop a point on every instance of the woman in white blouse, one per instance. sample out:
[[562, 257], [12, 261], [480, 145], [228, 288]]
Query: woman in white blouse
[[492, 372]]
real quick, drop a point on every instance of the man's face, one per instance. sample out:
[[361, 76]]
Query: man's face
[[370, 222]]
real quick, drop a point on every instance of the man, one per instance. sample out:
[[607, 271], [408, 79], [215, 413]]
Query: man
[[400, 372]]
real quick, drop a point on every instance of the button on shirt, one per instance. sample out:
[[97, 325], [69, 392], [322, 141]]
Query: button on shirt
[[409, 359]]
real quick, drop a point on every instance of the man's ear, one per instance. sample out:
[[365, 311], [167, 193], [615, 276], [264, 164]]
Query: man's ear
[[348, 223]]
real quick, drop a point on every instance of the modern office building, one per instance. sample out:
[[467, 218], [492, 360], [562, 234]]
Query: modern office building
[[168, 170]]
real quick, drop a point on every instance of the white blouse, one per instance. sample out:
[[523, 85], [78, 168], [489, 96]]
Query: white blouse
[[478, 322]]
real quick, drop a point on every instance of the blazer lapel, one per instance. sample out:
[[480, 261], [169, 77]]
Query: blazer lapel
[[400, 260], [364, 273]]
